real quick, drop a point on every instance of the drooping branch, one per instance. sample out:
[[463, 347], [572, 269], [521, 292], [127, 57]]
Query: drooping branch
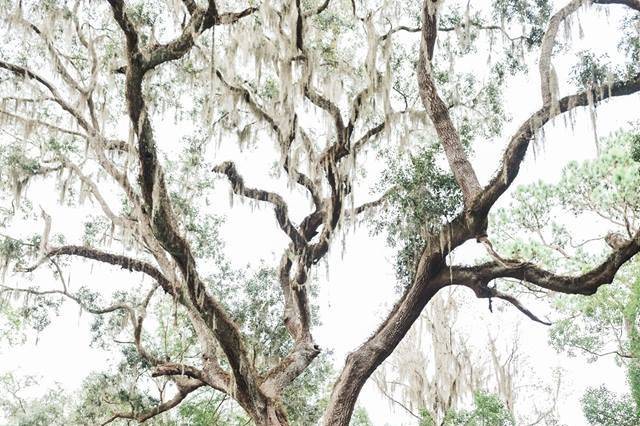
[[124, 262], [91, 309], [483, 291], [136, 316]]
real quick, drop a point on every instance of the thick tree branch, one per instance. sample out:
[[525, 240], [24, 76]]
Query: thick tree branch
[[201, 20], [548, 83], [125, 262], [438, 111], [157, 205], [586, 283], [517, 148]]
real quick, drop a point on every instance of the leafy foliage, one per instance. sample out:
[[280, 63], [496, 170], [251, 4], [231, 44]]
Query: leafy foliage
[[488, 410], [424, 197], [602, 407], [605, 190]]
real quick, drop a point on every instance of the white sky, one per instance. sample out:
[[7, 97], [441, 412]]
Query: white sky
[[358, 288]]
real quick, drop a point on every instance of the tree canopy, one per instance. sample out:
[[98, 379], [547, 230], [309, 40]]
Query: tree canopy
[[123, 123]]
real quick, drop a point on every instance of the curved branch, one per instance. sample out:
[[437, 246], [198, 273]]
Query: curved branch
[[586, 283], [280, 207], [483, 291], [185, 387], [330, 107], [136, 321], [201, 20], [97, 311], [547, 84], [125, 262], [517, 148]]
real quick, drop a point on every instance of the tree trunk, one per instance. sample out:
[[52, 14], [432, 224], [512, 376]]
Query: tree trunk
[[271, 413]]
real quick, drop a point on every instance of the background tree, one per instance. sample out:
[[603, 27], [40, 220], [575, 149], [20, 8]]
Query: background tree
[[601, 192], [88, 90], [445, 364]]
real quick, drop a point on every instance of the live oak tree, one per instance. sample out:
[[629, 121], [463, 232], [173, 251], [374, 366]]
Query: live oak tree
[[127, 384], [88, 89]]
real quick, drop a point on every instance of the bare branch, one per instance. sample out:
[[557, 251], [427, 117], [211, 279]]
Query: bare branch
[[375, 203], [185, 387], [483, 291], [125, 262], [97, 311], [280, 207]]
